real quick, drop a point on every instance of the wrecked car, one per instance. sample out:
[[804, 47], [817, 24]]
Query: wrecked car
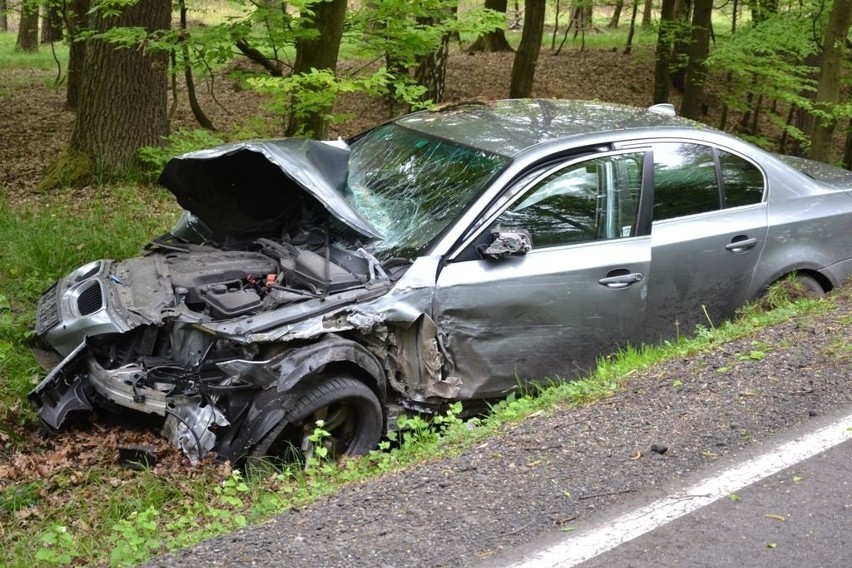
[[446, 255]]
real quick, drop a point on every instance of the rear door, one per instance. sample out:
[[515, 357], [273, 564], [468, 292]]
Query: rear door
[[708, 233]]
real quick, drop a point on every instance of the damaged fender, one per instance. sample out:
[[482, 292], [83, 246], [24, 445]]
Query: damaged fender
[[294, 368]]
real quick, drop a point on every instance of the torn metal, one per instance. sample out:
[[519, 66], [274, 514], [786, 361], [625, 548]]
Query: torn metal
[[263, 285]]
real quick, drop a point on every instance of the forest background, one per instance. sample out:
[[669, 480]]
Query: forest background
[[778, 69]]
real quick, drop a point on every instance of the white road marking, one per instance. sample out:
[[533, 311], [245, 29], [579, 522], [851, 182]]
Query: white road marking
[[583, 546]]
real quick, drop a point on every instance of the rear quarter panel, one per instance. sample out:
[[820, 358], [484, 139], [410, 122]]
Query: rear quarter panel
[[810, 228]]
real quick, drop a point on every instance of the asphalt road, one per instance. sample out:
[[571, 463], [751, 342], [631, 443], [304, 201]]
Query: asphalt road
[[800, 516]]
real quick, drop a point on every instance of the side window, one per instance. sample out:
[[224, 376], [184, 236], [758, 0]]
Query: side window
[[684, 180], [743, 181], [593, 200]]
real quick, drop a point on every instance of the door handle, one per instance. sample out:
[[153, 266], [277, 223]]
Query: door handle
[[621, 280], [741, 245]]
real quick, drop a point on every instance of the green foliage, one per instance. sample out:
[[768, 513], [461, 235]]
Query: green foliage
[[136, 538], [19, 496], [58, 546], [770, 60], [317, 90], [404, 30], [317, 439], [179, 142]]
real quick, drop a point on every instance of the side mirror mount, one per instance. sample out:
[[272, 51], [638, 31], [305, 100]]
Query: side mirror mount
[[505, 243]]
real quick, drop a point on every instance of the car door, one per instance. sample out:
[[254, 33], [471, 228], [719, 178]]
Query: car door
[[709, 229], [577, 293]]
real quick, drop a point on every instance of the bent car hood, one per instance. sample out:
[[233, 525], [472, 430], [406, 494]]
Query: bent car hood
[[259, 188]]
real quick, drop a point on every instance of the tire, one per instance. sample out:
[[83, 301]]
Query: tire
[[351, 412], [810, 285]]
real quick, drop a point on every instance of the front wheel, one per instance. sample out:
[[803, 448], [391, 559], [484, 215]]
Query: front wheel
[[349, 410]]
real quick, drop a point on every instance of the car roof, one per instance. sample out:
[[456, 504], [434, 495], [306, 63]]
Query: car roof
[[508, 127]]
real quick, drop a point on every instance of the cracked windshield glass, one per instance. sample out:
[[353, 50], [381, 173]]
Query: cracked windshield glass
[[411, 186]]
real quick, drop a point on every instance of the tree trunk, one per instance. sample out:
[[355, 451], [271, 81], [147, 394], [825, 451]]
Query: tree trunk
[[762, 9], [28, 27], [122, 100], [647, 14], [681, 45], [77, 21], [830, 79], [526, 58], [664, 53], [4, 18], [319, 52], [431, 71], [194, 105], [495, 40], [616, 15], [696, 70], [51, 21], [847, 148], [632, 31]]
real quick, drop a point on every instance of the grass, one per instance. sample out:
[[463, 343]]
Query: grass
[[15, 65]]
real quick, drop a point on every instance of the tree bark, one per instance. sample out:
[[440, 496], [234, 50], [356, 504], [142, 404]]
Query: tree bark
[[830, 79], [494, 40], [616, 15], [647, 14], [319, 53], [272, 67], [28, 27], [681, 45], [696, 70], [4, 18], [431, 70], [51, 21], [664, 53], [632, 30], [526, 58], [122, 104], [76, 21]]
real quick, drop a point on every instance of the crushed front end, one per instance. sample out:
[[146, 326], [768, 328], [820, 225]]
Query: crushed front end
[[170, 333]]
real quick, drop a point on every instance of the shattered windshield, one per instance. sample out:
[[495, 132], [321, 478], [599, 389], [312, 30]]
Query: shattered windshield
[[410, 185]]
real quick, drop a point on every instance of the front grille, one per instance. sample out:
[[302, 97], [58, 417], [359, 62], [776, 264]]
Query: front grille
[[90, 300], [48, 311]]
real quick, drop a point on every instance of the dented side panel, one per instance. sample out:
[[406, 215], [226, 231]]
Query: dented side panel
[[498, 337]]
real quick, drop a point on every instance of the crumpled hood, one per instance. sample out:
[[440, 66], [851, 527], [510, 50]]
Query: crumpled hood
[[259, 188]]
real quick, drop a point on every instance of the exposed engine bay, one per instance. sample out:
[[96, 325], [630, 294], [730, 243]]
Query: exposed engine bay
[[134, 332]]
